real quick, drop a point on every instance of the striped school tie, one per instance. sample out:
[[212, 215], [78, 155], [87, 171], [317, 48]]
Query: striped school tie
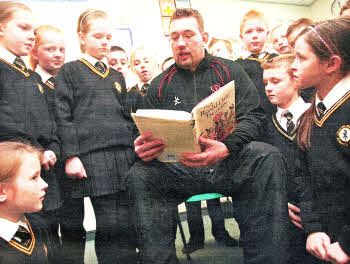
[[290, 124], [100, 66], [20, 64]]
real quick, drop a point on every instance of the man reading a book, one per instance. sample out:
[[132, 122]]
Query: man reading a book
[[253, 173]]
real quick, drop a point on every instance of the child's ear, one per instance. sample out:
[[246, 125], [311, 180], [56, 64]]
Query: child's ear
[[34, 53], [3, 195], [2, 26], [334, 64], [81, 38]]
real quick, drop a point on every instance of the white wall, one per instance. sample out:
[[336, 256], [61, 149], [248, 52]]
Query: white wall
[[222, 18], [321, 9]]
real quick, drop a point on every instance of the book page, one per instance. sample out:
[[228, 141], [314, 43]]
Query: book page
[[215, 116], [177, 135], [164, 114]]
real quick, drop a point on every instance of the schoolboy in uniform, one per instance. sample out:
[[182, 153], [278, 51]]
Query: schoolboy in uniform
[[144, 65], [248, 171], [118, 60], [253, 32], [279, 39], [282, 90]]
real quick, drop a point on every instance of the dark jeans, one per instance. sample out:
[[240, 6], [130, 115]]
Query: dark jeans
[[115, 240], [255, 177], [195, 220]]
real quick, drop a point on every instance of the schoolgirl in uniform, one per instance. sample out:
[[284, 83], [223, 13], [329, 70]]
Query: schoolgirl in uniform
[[97, 146], [23, 108], [323, 61], [23, 236], [46, 58]]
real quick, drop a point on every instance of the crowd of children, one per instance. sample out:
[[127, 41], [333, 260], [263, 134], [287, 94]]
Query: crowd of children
[[73, 120]]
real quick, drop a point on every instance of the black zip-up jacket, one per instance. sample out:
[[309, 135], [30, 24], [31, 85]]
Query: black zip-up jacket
[[180, 89]]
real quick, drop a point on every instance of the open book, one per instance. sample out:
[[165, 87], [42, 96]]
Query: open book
[[213, 117]]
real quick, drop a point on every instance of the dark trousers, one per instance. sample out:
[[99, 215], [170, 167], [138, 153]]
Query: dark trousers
[[73, 233], [195, 220], [255, 176], [115, 240]]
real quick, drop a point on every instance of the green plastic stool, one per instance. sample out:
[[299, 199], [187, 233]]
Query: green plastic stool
[[194, 198], [203, 197]]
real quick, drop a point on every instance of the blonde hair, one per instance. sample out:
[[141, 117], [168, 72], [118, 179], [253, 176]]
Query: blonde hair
[[252, 14], [8, 8], [38, 33], [133, 54], [11, 157], [225, 41], [280, 61], [85, 18]]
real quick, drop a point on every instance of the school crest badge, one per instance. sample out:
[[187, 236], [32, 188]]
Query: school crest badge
[[118, 87], [343, 135], [41, 89]]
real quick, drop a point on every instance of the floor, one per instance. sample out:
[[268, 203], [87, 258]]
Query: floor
[[212, 252]]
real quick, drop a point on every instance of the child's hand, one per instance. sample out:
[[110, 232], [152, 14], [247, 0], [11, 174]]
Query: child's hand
[[317, 244], [293, 212], [49, 159], [336, 254], [75, 168]]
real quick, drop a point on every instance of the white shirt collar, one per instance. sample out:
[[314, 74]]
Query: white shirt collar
[[43, 74], [297, 109], [140, 84], [337, 92], [246, 54], [8, 229], [7, 56], [93, 60]]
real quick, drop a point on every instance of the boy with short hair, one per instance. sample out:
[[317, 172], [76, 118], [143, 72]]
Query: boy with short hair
[[144, 65], [279, 39], [282, 91], [253, 32], [118, 60]]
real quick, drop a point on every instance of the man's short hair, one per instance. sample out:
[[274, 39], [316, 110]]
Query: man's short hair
[[252, 14], [280, 61], [188, 12]]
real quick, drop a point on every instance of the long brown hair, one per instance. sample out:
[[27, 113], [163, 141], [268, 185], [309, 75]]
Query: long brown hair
[[336, 34], [11, 157]]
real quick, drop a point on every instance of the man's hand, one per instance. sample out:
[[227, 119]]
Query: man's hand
[[317, 244], [336, 254], [75, 168], [293, 212], [49, 159], [213, 152], [147, 148]]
